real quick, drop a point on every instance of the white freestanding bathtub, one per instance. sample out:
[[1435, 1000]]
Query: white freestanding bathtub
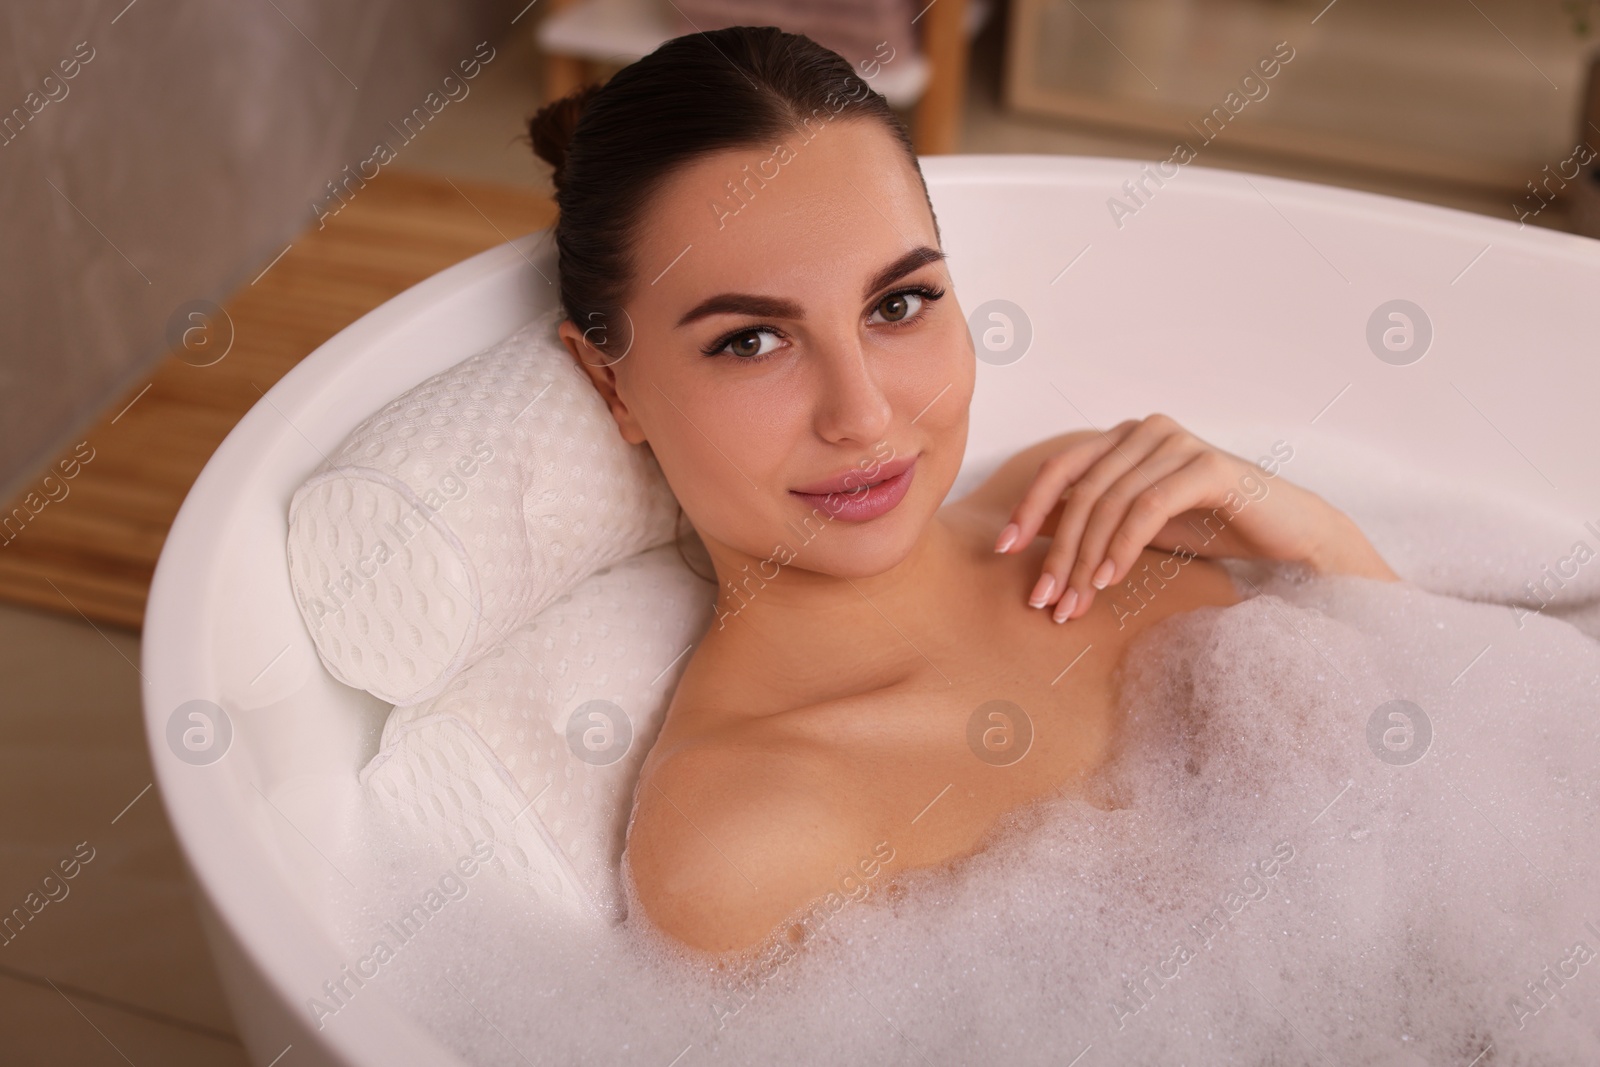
[[1220, 299]]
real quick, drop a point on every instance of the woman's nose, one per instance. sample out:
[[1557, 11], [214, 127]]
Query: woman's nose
[[851, 404]]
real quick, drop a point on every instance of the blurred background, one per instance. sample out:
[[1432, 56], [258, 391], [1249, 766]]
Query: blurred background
[[196, 195]]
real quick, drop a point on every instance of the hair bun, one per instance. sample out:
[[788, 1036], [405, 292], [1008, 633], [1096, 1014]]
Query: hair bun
[[552, 126]]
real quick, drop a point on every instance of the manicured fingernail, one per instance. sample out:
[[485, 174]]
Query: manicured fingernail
[[1008, 537], [1069, 600], [1103, 575], [1041, 592]]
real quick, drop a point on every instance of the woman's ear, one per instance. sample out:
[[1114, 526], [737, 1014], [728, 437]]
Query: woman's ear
[[602, 372]]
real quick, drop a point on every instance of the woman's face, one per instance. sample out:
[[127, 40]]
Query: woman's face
[[822, 363]]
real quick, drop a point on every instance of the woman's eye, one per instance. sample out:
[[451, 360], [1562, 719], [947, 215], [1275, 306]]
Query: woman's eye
[[897, 307], [748, 345], [902, 307]]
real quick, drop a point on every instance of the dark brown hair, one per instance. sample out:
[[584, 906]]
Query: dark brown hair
[[612, 146]]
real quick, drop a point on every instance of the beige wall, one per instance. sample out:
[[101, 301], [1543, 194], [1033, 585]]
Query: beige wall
[[187, 147]]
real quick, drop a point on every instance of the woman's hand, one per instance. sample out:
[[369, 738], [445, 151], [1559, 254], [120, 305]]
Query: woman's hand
[[1152, 483]]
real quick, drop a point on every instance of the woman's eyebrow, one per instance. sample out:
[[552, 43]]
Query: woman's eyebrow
[[919, 256], [778, 308]]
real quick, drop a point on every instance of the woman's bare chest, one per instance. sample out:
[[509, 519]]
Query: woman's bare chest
[[1018, 710], [930, 763], [997, 707]]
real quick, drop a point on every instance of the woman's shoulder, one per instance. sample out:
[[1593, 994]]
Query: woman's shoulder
[[731, 835]]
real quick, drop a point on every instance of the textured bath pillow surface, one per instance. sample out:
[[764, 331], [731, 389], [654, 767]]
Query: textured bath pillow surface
[[537, 745], [461, 509]]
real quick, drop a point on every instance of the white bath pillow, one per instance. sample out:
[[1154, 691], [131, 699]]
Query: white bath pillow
[[537, 746], [463, 507]]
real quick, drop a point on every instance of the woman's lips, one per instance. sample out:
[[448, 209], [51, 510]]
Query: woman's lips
[[849, 481], [863, 504]]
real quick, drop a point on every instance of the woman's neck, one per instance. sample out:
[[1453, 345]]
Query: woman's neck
[[801, 625]]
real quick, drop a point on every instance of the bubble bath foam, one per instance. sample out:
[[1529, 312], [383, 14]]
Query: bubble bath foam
[[1355, 824]]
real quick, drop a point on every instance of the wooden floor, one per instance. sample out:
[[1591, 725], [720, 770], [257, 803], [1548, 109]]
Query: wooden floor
[[92, 552]]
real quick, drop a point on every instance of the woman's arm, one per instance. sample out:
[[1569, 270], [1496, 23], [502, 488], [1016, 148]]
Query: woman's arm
[[1347, 550]]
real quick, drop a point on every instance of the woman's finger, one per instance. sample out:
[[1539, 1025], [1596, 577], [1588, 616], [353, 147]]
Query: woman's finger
[[1200, 481], [1106, 526], [1104, 472], [1054, 476]]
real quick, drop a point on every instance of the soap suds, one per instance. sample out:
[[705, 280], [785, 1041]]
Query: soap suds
[[1357, 825]]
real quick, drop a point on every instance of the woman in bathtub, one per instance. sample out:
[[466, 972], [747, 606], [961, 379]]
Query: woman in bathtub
[[754, 283]]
